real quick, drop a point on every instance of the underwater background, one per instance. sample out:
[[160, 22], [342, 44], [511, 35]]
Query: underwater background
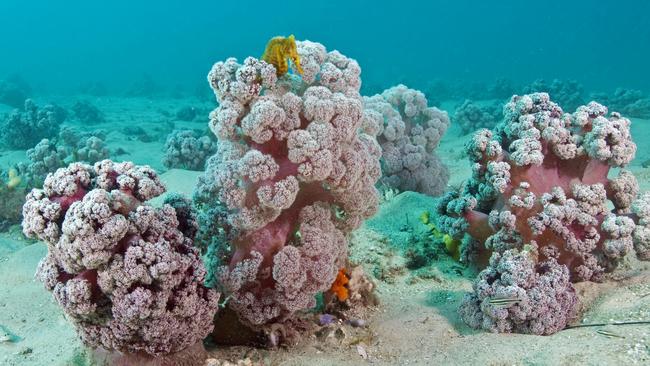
[[83, 81], [57, 47]]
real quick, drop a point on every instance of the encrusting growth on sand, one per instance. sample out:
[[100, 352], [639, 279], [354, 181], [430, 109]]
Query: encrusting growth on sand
[[279, 51]]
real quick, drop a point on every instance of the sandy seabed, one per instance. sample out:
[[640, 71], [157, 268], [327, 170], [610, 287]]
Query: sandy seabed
[[416, 322]]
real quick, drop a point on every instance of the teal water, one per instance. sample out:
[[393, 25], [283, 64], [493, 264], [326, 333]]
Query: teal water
[[57, 46], [126, 81]]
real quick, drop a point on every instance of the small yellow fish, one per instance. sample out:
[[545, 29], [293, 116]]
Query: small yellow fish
[[452, 246], [14, 179]]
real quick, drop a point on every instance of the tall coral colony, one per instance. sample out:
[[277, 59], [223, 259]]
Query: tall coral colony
[[293, 175], [123, 271]]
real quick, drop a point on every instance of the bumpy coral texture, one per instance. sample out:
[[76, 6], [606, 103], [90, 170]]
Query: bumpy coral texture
[[568, 93], [121, 270], [91, 150], [516, 294], [186, 150], [408, 131], [541, 176], [12, 197], [44, 158], [471, 117], [49, 155], [88, 146], [22, 129], [292, 176], [630, 102]]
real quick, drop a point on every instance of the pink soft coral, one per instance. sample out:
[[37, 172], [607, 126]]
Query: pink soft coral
[[541, 179], [123, 272], [292, 176], [408, 131]]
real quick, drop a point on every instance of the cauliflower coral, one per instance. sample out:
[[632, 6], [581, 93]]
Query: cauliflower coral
[[186, 149], [123, 271], [292, 176], [540, 203], [408, 131]]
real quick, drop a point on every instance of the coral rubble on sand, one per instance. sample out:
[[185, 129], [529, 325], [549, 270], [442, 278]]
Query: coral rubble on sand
[[538, 204]]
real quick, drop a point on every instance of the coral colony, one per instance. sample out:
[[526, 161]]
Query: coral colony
[[123, 271], [293, 175], [185, 149], [535, 212], [472, 117], [408, 131], [294, 169]]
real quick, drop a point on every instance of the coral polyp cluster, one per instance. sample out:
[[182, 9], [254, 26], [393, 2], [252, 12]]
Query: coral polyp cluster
[[633, 103], [51, 154], [123, 271], [471, 116], [568, 93], [408, 131], [23, 128], [292, 176], [186, 149], [518, 293], [540, 186]]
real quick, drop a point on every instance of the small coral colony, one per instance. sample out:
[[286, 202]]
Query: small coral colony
[[293, 170]]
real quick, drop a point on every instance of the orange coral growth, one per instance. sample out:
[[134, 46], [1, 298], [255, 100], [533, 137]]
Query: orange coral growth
[[279, 51], [338, 287]]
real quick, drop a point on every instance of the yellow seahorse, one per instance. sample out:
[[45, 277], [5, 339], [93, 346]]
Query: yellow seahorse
[[279, 51]]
